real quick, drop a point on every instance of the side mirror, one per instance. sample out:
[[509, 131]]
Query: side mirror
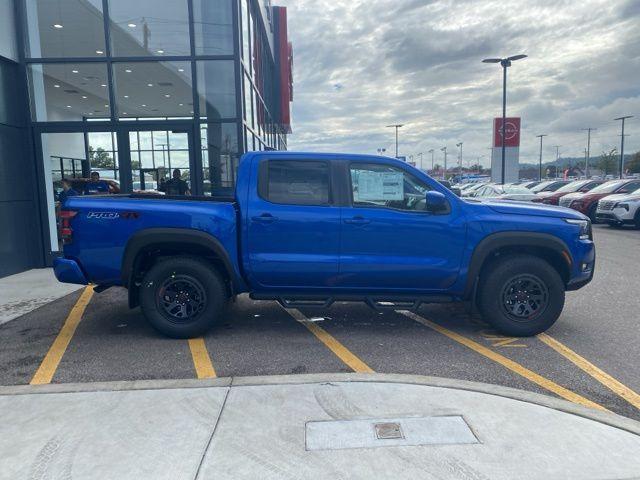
[[436, 202]]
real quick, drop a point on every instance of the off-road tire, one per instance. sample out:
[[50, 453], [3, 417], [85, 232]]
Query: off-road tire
[[186, 286], [498, 297]]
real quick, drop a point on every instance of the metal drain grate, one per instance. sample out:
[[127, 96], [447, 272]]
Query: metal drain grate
[[388, 432]]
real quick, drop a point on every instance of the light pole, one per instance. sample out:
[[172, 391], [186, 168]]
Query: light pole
[[396, 126], [420, 155], [505, 63], [586, 161], [432, 164], [557, 158], [622, 142], [444, 172], [540, 164], [460, 163]]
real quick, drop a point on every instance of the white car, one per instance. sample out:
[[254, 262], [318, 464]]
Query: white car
[[620, 209], [505, 192]]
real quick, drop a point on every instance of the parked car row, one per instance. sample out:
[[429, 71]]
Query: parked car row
[[616, 202]]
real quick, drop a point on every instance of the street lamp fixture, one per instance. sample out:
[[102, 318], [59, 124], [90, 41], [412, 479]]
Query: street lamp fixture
[[540, 163], [622, 142], [505, 63], [432, 159], [396, 126], [460, 162]]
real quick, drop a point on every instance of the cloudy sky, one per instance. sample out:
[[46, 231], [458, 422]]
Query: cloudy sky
[[362, 64]]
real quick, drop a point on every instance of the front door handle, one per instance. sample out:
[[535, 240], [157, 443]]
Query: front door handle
[[358, 220], [264, 218]]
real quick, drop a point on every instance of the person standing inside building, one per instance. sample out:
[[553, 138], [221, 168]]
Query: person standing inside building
[[175, 186], [96, 186], [67, 191]]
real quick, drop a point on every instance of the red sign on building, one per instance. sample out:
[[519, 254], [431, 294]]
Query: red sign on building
[[512, 132]]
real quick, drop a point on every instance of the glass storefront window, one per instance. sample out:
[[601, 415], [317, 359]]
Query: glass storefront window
[[213, 27], [103, 154], [153, 90], [216, 89], [64, 28], [69, 92], [246, 55], [220, 157], [248, 102], [147, 27]]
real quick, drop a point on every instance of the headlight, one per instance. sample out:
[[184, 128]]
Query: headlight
[[585, 227], [576, 204], [622, 205]]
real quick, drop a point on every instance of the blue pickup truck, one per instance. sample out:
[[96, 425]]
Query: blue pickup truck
[[310, 229]]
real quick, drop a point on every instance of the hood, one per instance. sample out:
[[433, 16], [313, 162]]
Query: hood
[[546, 194], [622, 197], [539, 209], [574, 195]]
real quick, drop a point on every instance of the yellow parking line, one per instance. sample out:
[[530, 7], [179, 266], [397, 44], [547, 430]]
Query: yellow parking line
[[342, 352], [507, 363], [49, 365], [604, 378], [201, 359]]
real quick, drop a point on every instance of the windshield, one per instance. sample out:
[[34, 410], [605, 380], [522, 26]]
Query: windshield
[[608, 187], [573, 186]]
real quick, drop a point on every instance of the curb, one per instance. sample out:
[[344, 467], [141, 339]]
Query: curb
[[606, 418]]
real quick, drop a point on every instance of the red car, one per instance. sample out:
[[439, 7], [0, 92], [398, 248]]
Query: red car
[[579, 186], [587, 202]]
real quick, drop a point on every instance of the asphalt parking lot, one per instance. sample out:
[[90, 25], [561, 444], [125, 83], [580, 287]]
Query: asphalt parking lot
[[590, 356]]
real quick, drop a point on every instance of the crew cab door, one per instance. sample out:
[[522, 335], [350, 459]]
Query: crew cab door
[[389, 240], [293, 225]]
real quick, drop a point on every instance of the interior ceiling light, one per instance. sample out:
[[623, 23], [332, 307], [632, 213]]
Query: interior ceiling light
[[99, 52], [167, 95], [126, 96], [128, 70], [160, 51], [181, 69], [57, 25], [149, 84], [57, 86], [68, 106], [131, 25], [84, 96], [74, 71], [103, 85]]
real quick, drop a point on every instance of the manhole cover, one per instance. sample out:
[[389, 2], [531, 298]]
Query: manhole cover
[[388, 430]]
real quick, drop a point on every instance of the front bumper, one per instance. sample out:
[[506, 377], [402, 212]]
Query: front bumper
[[584, 265], [68, 271], [617, 215]]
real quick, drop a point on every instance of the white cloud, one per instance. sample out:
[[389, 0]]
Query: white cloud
[[363, 64]]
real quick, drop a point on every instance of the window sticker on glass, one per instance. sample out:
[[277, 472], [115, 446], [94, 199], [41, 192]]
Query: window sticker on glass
[[379, 186]]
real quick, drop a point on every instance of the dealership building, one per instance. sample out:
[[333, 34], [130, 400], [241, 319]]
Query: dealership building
[[132, 89]]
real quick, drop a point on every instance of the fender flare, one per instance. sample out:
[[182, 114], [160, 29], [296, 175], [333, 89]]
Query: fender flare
[[495, 241], [172, 236]]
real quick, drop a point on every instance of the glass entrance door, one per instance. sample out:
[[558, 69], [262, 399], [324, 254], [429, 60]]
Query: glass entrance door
[[158, 156]]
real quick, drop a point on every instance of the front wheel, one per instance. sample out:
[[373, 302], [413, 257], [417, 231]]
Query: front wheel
[[183, 297], [520, 295]]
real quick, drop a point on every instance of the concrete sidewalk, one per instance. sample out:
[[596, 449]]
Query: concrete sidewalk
[[26, 291], [308, 426]]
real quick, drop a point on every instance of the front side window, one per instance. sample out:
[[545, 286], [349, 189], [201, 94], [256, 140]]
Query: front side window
[[297, 182], [385, 186]]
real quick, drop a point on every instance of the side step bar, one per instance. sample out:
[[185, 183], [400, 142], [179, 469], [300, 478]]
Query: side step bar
[[377, 302]]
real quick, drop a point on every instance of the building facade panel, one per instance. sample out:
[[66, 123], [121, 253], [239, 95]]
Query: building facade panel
[[134, 90]]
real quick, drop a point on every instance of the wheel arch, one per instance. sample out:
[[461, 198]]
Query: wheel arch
[[552, 249], [148, 245]]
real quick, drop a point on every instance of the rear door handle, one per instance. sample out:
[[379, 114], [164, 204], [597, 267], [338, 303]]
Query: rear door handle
[[264, 218], [357, 221]]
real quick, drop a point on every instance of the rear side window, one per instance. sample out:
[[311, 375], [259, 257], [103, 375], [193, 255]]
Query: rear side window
[[296, 182]]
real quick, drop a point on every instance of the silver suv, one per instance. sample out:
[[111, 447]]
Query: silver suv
[[620, 209]]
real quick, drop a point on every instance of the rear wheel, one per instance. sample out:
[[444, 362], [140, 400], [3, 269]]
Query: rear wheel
[[183, 297], [520, 295]]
